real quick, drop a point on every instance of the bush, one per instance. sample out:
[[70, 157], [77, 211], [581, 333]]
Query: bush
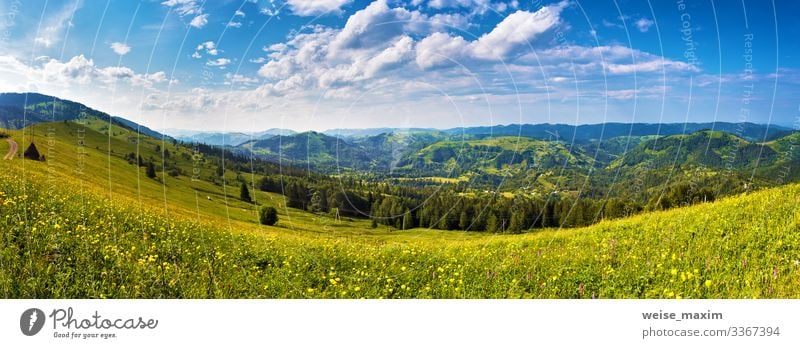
[[268, 216]]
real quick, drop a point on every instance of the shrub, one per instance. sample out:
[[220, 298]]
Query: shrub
[[268, 216]]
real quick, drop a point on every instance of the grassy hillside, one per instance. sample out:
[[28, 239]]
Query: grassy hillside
[[494, 154], [63, 237]]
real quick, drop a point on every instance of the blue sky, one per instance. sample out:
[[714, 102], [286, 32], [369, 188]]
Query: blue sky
[[254, 64]]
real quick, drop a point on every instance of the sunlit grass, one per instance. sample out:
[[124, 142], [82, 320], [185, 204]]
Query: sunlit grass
[[73, 235]]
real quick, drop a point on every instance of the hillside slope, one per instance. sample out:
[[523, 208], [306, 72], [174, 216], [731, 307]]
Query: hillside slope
[[54, 233]]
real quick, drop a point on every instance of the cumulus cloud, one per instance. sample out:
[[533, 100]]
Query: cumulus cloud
[[516, 31], [199, 21], [120, 48], [233, 23], [317, 7], [184, 7], [238, 79], [658, 64], [614, 59], [79, 70], [645, 92], [219, 62], [440, 49], [208, 47], [373, 26], [195, 100], [384, 45], [478, 7], [378, 24], [187, 9], [644, 24]]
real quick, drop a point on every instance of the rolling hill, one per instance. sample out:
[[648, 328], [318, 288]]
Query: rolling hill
[[91, 212], [582, 134], [741, 247], [227, 138], [19, 110]]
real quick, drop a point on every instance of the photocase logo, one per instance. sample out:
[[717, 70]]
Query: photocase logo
[[31, 321]]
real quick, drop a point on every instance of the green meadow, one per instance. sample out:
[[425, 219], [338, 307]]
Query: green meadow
[[88, 223]]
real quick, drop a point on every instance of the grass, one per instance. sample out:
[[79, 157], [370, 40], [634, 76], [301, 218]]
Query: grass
[[78, 235]]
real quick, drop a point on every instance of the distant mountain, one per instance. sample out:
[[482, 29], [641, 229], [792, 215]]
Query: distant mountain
[[594, 132], [142, 129], [19, 110], [709, 149], [315, 149], [493, 156], [388, 150], [226, 138], [368, 132]]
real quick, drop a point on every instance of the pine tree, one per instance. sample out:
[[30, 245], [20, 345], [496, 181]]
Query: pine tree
[[463, 221], [244, 193], [151, 170], [517, 223], [492, 223], [408, 221]]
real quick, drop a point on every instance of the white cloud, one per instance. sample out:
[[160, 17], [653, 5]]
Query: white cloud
[[372, 26], [389, 58], [77, 71], [442, 4], [317, 7], [184, 7], [645, 92], [658, 64], [52, 29], [644, 24], [189, 8], [208, 47], [383, 46], [233, 23], [517, 31], [219, 62], [195, 100], [120, 48], [199, 21], [614, 59], [440, 49], [238, 79]]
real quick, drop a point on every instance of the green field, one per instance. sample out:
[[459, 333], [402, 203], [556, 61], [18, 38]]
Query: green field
[[87, 223]]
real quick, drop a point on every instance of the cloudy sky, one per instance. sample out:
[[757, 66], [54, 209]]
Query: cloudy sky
[[255, 64]]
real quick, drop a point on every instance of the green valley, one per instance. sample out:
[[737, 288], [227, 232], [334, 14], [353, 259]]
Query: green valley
[[112, 210]]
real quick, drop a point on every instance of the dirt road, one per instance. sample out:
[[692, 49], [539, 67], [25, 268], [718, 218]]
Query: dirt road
[[12, 149]]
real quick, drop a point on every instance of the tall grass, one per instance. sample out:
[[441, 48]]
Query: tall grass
[[56, 242]]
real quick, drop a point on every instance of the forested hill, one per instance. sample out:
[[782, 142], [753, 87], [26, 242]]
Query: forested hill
[[19, 110], [593, 132]]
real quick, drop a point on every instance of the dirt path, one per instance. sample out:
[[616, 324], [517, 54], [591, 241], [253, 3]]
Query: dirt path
[[12, 149]]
